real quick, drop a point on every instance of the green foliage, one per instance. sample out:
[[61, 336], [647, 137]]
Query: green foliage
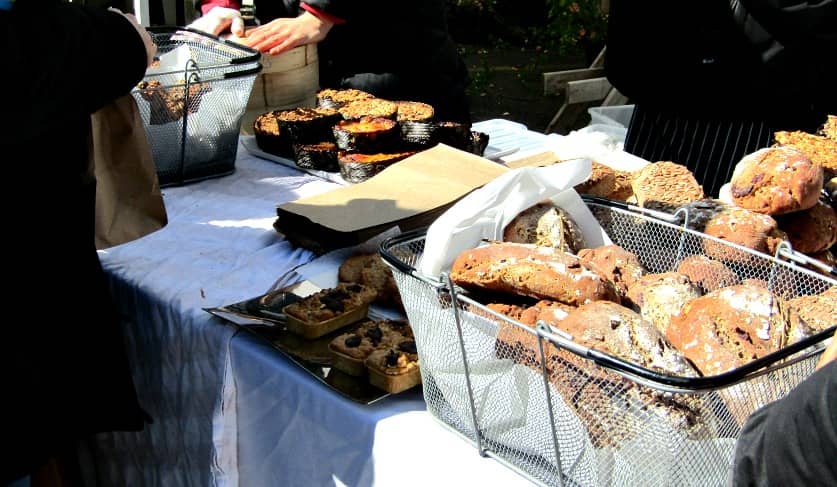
[[575, 26]]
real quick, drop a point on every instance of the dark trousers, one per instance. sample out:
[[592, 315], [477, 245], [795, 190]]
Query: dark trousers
[[709, 148]]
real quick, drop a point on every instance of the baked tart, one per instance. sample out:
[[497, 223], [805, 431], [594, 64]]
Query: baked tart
[[356, 167], [369, 135], [373, 107], [336, 98], [321, 156], [395, 369], [270, 138], [308, 125], [328, 310]]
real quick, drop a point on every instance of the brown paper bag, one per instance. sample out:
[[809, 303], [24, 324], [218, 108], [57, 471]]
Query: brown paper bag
[[129, 204]]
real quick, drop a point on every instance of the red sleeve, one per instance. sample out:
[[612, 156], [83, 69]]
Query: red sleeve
[[320, 14], [208, 5]]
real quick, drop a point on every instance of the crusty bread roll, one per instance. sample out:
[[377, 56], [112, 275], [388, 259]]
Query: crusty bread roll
[[811, 231], [665, 185], [622, 267], [547, 225], [776, 180], [660, 297], [530, 270]]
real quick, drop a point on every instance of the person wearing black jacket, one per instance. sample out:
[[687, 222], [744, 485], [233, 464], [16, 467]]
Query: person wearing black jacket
[[403, 53], [712, 80], [793, 441], [64, 364]]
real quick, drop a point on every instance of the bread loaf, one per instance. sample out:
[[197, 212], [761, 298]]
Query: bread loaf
[[665, 185], [660, 297], [728, 328], [776, 180], [708, 274], [530, 270], [547, 225], [617, 264], [811, 231]]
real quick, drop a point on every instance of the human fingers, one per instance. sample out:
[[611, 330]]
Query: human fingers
[[237, 27]]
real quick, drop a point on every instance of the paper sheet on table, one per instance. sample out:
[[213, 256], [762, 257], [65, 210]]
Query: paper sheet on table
[[484, 213], [597, 143]]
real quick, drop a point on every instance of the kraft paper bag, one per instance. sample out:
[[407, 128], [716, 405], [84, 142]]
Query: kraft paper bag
[[129, 204]]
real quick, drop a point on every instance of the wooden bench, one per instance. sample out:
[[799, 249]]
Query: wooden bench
[[580, 87]]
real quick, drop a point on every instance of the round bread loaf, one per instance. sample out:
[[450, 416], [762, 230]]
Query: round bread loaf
[[728, 328], [530, 270], [829, 128], [659, 297], [807, 315], [744, 227], [776, 180], [617, 264], [708, 274], [811, 231], [547, 225], [665, 185]]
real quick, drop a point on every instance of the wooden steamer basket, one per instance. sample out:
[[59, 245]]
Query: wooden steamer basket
[[288, 80]]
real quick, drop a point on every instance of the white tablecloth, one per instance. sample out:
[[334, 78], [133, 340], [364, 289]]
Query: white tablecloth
[[228, 409]]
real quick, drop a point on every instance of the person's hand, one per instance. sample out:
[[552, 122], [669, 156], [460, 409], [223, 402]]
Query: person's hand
[[218, 20], [150, 47], [284, 34], [830, 352]]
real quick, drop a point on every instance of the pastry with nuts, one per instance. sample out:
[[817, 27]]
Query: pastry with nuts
[[328, 310]]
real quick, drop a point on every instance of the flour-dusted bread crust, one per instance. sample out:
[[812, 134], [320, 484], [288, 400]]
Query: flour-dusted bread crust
[[707, 273], [530, 270], [665, 185], [622, 267], [547, 225], [728, 328], [660, 297], [776, 180], [744, 227]]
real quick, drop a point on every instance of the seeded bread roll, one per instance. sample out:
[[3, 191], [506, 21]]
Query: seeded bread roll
[[547, 225], [665, 185], [617, 264], [776, 180], [728, 328], [820, 149], [659, 297], [622, 190], [602, 181], [529, 270], [708, 274], [811, 231]]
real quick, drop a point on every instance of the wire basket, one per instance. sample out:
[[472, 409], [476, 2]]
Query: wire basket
[[192, 106], [559, 413]]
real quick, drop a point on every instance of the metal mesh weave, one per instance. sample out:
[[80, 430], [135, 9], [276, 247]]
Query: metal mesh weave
[[192, 114], [567, 420]]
